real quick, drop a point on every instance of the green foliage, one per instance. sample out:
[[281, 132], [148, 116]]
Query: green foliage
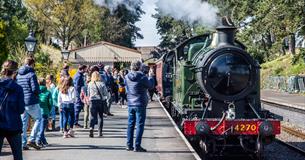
[[264, 24], [43, 65], [12, 19], [3, 44], [61, 19], [118, 26], [172, 31], [18, 53]]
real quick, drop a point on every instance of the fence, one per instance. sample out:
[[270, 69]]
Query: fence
[[292, 84]]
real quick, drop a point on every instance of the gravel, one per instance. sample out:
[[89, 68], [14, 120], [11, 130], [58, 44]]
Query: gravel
[[276, 151]]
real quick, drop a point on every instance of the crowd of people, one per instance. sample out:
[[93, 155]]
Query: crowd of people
[[93, 89]]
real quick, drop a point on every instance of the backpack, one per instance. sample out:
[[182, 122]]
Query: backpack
[[121, 89]]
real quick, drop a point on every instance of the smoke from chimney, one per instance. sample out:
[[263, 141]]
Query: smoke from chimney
[[190, 11]]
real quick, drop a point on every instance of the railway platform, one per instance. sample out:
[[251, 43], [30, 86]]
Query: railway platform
[[160, 138], [285, 99]]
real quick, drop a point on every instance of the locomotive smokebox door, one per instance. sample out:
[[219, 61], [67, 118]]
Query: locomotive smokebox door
[[228, 72]]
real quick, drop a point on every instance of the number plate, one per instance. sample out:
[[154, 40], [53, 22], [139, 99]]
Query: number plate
[[245, 127]]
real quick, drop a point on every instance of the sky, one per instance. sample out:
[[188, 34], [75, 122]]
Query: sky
[[148, 25]]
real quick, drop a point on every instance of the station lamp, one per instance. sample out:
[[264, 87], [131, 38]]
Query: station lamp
[[30, 43], [65, 54]]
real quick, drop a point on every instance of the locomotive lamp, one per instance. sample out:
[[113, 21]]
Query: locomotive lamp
[[65, 54], [202, 128], [265, 128], [30, 43]]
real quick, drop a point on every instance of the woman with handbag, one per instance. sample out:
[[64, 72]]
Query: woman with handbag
[[97, 92], [11, 107]]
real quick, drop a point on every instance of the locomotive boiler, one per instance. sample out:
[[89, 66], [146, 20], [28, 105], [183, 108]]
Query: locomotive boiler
[[211, 87]]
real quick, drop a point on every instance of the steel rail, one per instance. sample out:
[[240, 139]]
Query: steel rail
[[282, 106], [293, 132]]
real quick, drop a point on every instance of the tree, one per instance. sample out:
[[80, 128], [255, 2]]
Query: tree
[[172, 31], [128, 17], [62, 19], [264, 25], [117, 23], [13, 27]]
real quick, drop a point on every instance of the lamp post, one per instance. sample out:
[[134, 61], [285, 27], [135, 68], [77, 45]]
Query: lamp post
[[30, 43], [65, 54]]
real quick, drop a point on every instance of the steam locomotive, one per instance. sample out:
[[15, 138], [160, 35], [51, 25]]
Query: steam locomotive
[[211, 87]]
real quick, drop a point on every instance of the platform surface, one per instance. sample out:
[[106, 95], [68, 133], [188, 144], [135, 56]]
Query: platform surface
[[160, 139], [292, 100]]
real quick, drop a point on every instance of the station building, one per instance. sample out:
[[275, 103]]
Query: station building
[[106, 53]]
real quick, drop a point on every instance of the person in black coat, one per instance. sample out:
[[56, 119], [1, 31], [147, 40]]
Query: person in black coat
[[79, 82], [11, 107]]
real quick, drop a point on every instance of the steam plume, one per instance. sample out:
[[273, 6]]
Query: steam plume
[[190, 11], [113, 4]]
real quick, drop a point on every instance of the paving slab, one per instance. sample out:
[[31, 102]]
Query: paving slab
[[292, 100], [160, 139]]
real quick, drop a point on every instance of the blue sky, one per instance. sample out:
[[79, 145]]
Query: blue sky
[[148, 25]]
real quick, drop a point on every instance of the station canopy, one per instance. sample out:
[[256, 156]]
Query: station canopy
[[103, 52]]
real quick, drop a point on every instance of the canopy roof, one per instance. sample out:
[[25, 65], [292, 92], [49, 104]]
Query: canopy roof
[[103, 52]]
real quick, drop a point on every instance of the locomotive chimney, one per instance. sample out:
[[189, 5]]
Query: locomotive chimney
[[226, 32]]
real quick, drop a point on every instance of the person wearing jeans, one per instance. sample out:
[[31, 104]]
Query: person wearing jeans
[[68, 118], [11, 106], [45, 98], [136, 117], [27, 79], [41, 140], [137, 84], [66, 100], [35, 112]]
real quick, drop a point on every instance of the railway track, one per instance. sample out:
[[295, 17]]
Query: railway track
[[287, 129], [282, 106], [295, 133], [293, 148]]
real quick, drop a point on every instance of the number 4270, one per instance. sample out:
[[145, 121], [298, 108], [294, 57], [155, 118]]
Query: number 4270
[[245, 127]]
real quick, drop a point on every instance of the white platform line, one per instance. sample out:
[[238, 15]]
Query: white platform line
[[180, 133]]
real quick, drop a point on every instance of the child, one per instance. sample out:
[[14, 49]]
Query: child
[[52, 88], [45, 102], [122, 90], [66, 99]]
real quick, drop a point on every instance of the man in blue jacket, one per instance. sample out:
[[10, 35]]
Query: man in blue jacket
[[27, 79], [79, 82], [137, 84]]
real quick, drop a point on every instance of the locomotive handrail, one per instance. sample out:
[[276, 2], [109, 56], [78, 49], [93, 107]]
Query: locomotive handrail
[[258, 116], [224, 114], [206, 108]]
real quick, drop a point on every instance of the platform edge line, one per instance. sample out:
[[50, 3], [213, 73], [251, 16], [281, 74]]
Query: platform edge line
[[197, 157]]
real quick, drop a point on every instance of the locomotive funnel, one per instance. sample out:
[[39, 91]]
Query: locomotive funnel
[[226, 32]]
